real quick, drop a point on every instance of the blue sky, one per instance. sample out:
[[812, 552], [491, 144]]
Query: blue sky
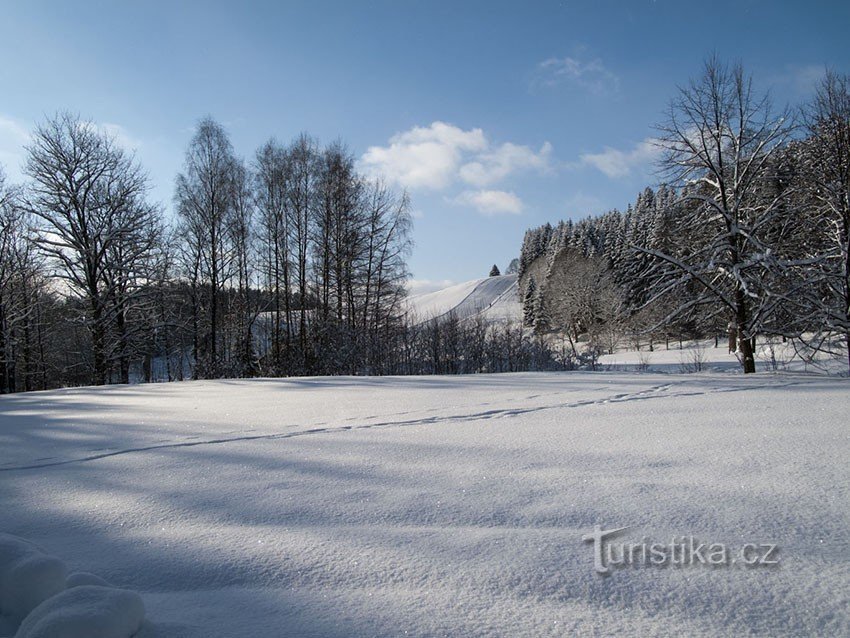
[[495, 115]]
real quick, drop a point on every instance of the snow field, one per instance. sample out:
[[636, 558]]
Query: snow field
[[771, 355], [441, 505]]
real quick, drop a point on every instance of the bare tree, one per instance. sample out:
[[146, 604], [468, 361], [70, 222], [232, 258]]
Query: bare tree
[[242, 238], [89, 196], [387, 245], [301, 203], [826, 157], [18, 268], [718, 142], [271, 168], [128, 274], [205, 204], [582, 298], [337, 231]]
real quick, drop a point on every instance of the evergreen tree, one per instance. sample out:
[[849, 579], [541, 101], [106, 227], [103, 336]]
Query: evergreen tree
[[539, 312], [528, 305]]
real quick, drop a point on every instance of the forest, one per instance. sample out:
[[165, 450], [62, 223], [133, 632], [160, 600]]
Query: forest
[[749, 236], [293, 263]]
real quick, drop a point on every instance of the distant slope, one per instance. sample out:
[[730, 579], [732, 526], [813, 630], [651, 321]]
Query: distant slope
[[496, 298]]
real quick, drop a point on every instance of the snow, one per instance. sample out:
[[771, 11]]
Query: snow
[[28, 576], [39, 600], [436, 505], [772, 354], [495, 298], [81, 579], [435, 304], [86, 612]]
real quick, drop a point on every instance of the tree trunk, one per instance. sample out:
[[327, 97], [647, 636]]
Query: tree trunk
[[745, 347], [847, 344], [745, 341], [147, 366], [4, 371], [27, 354], [98, 335], [123, 344]]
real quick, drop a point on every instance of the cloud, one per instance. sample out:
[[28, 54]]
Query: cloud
[[493, 166], [491, 202], [121, 136], [617, 164], [437, 156], [423, 157], [591, 75], [117, 133], [422, 286]]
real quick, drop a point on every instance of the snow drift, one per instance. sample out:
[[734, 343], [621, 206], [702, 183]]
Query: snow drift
[[87, 611], [42, 601], [28, 576]]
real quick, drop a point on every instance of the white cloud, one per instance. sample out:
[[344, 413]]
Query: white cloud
[[491, 202], [121, 136], [116, 132], [616, 163], [493, 166], [422, 286], [423, 157], [436, 156], [591, 75]]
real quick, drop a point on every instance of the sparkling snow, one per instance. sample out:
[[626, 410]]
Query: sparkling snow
[[431, 505]]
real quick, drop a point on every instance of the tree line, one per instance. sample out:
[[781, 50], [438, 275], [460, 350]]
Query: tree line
[[750, 233], [291, 263]]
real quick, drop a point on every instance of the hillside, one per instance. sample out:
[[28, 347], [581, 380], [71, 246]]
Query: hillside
[[495, 298]]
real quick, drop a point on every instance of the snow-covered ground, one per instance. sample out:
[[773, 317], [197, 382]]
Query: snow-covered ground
[[494, 298], [772, 355], [429, 506]]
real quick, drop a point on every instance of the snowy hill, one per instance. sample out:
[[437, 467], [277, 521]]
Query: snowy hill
[[495, 298]]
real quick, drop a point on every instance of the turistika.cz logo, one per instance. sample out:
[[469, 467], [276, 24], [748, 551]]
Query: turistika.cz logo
[[680, 551]]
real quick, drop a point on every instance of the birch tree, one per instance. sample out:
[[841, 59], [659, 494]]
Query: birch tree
[[205, 202], [271, 175]]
